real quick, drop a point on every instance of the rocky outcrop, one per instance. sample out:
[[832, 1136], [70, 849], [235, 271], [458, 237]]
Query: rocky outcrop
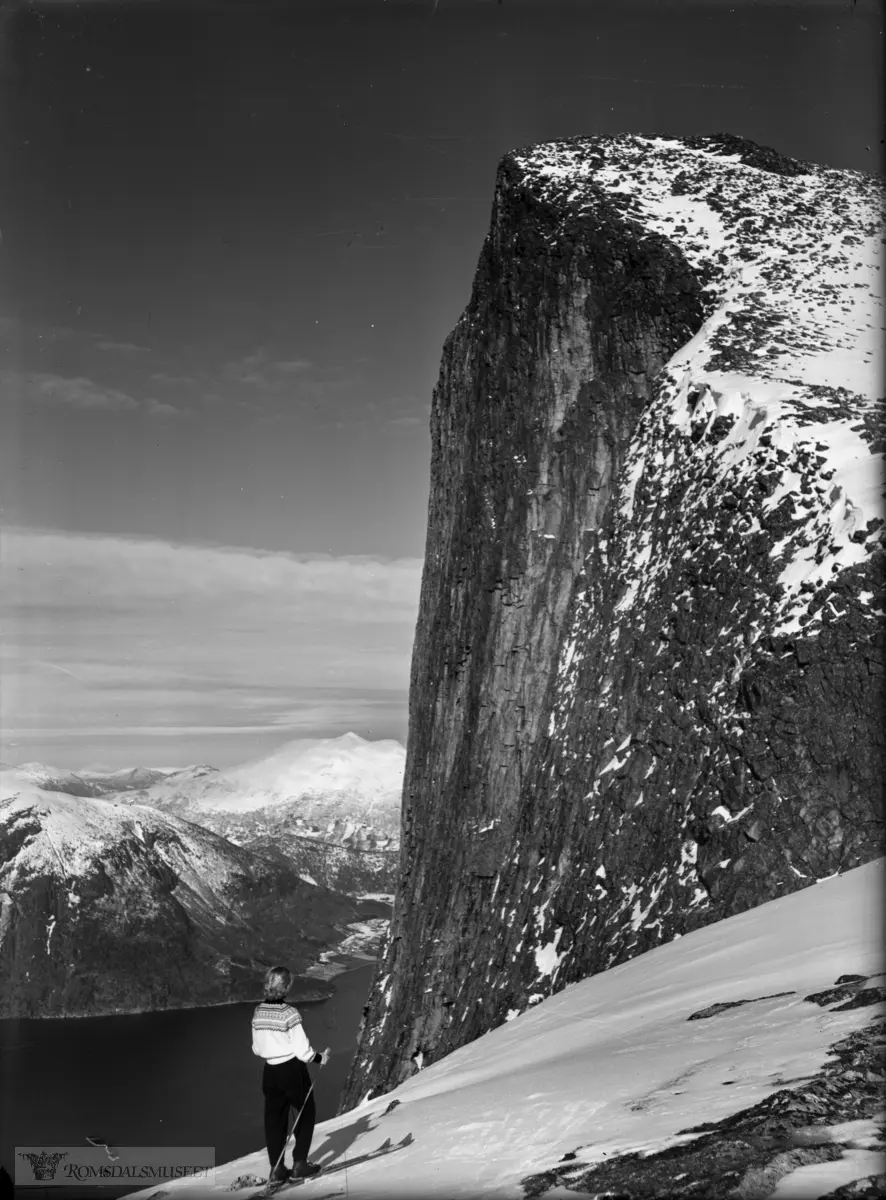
[[646, 687], [818, 1118]]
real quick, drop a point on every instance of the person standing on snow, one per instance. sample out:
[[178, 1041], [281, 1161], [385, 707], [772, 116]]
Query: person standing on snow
[[279, 1038]]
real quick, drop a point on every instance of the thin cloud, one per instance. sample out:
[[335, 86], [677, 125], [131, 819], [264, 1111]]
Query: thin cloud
[[293, 365], [316, 392], [409, 413], [408, 420], [43, 387], [36, 336], [274, 387], [156, 408], [300, 721], [173, 380], [252, 368], [122, 347], [147, 634], [67, 567], [265, 372], [105, 731], [56, 667]]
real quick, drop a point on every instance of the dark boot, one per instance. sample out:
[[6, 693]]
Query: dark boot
[[304, 1169], [280, 1174]]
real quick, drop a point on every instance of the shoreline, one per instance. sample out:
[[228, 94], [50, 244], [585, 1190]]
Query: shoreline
[[305, 996], [361, 945], [323, 973], [334, 968]]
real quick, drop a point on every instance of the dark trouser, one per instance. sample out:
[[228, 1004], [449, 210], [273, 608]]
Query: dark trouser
[[286, 1085]]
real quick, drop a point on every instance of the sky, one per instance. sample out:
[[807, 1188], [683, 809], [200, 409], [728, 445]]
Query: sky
[[234, 238]]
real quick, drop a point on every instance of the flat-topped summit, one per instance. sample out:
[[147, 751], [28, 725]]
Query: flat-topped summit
[[647, 679]]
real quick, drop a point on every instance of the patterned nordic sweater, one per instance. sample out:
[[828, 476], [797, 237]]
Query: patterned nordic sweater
[[278, 1034]]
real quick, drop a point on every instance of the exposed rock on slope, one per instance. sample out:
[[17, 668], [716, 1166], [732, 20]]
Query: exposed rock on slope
[[107, 907], [646, 684], [828, 1117]]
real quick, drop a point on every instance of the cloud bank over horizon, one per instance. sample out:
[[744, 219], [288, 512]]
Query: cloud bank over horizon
[[118, 649]]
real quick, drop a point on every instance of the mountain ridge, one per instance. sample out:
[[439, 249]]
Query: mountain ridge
[[308, 797], [108, 907], [191, 859], [311, 793], [646, 687]]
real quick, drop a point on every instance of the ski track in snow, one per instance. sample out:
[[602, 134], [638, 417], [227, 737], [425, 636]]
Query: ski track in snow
[[610, 1065]]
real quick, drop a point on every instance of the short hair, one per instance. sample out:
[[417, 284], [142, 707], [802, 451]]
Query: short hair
[[278, 981]]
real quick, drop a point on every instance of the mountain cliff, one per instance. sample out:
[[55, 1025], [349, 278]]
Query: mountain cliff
[[107, 907], [646, 687]]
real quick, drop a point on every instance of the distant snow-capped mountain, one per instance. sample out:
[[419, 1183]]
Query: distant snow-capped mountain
[[107, 906], [343, 790], [328, 806], [87, 783]]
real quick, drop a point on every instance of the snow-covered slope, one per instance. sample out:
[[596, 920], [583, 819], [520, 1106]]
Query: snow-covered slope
[[347, 766], [56, 779], [126, 779], [692, 1033], [785, 371], [114, 907]]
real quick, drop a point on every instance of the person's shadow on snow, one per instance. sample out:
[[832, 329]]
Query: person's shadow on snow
[[339, 1142]]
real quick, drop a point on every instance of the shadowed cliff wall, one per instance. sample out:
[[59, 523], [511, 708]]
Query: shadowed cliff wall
[[609, 744]]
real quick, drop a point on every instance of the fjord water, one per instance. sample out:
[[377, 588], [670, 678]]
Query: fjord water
[[181, 1078]]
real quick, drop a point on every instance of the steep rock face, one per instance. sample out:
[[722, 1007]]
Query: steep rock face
[[646, 683]]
